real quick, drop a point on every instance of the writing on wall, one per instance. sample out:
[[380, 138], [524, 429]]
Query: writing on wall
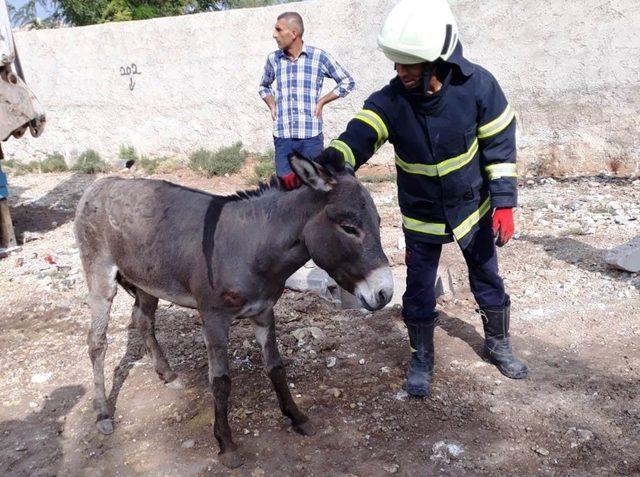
[[130, 71]]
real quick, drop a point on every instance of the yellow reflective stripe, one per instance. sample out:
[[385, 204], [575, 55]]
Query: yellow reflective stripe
[[465, 227], [455, 163], [346, 151], [494, 127], [413, 168], [442, 168], [377, 124], [496, 171], [432, 228]]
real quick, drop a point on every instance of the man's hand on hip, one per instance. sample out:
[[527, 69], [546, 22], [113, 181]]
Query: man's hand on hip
[[318, 112], [291, 181], [503, 226]]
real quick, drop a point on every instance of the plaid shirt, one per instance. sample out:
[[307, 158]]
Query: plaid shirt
[[298, 87]]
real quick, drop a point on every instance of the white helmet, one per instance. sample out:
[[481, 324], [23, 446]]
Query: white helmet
[[416, 31]]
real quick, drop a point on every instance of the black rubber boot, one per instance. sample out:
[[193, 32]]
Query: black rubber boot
[[421, 364], [496, 343]]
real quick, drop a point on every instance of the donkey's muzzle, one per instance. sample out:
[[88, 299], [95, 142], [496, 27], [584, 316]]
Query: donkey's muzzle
[[376, 290]]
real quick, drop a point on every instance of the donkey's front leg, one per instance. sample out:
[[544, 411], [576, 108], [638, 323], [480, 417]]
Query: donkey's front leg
[[266, 337], [215, 328]]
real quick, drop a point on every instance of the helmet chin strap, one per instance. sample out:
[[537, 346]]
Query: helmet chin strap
[[429, 70]]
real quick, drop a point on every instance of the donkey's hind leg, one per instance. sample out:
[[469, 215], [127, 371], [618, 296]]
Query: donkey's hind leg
[[101, 281], [265, 331], [144, 316]]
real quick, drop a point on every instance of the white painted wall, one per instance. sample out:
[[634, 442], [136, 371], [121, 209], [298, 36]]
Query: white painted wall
[[571, 69]]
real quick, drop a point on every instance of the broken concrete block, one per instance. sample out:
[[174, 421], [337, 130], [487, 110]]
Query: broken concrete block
[[317, 280], [625, 256]]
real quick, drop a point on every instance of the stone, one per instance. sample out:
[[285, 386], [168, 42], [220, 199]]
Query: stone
[[316, 280], [446, 452], [401, 395], [579, 436], [383, 200], [625, 256], [317, 333], [5, 252], [391, 468], [540, 450], [41, 378], [188, 444]]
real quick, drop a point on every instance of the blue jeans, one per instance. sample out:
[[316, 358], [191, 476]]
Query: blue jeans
[[4, 192], [310, 148], [419, 300]]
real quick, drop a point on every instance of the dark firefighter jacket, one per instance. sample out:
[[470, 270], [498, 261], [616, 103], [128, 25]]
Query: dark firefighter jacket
[[455, 151]]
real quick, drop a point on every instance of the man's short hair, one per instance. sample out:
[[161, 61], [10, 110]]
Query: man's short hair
[[294, 20]]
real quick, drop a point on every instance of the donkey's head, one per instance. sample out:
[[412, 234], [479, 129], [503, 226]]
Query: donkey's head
[[343, 238]]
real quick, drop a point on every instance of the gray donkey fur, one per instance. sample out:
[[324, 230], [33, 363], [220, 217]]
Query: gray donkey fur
[[227, 257]]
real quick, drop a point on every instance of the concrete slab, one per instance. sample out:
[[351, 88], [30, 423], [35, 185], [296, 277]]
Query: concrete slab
[[312, 278], [625, 256]]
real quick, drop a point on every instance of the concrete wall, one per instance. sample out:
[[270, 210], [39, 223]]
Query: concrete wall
[[571, 69]]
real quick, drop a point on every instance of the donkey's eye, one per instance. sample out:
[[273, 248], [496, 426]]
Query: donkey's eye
[[351, 230]]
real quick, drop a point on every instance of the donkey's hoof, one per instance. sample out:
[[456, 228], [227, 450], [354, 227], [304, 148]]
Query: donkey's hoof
[[305, 428], [105, 426], [231, 459], [175, 383]]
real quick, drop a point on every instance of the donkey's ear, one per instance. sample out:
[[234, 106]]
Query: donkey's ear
[[311, 173]]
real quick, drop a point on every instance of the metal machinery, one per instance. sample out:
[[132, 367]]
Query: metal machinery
[[19, 111]]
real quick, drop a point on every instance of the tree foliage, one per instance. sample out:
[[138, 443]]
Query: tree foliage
[[89, 12], [26, 16]]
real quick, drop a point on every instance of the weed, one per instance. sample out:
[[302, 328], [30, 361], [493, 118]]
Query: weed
[[90, 162], [149, 166], [54, 163], [264, 167], [128, 155], [573, 231], [226, 160], [376, 179], [615, 163], [18, 168]]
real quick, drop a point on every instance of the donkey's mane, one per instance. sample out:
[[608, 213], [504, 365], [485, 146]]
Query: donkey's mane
[[273, 183]]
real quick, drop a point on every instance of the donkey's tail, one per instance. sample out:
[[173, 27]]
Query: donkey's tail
[[129, 287]]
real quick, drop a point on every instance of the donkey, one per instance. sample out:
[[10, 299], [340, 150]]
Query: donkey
[[228, 257]]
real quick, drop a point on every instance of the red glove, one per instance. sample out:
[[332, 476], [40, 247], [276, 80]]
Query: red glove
[[503, 225], [291, 181]]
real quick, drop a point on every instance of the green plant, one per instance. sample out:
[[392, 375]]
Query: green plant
[[33, 166], [54, 163], [378, 178], [19, 168], [573, 231], [226, 160], [148, 165], [264, 167], [127, 153], [602, 209], [90, 162]]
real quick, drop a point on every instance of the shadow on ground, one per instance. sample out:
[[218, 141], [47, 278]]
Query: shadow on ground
[[578, 253], [519, 427], [55, 208], [33, 446]]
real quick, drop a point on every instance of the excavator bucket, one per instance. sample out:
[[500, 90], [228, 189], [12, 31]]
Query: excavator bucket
[[19, 108]]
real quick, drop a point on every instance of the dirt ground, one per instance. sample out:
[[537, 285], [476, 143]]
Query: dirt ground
[[575, 321]]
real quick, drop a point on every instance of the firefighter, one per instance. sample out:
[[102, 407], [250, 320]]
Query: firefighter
[[453, 132]]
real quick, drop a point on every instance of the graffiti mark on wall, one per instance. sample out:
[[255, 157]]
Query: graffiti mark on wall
[[130, 71]]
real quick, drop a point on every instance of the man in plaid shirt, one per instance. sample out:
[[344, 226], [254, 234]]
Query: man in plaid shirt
[[296, 109]]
